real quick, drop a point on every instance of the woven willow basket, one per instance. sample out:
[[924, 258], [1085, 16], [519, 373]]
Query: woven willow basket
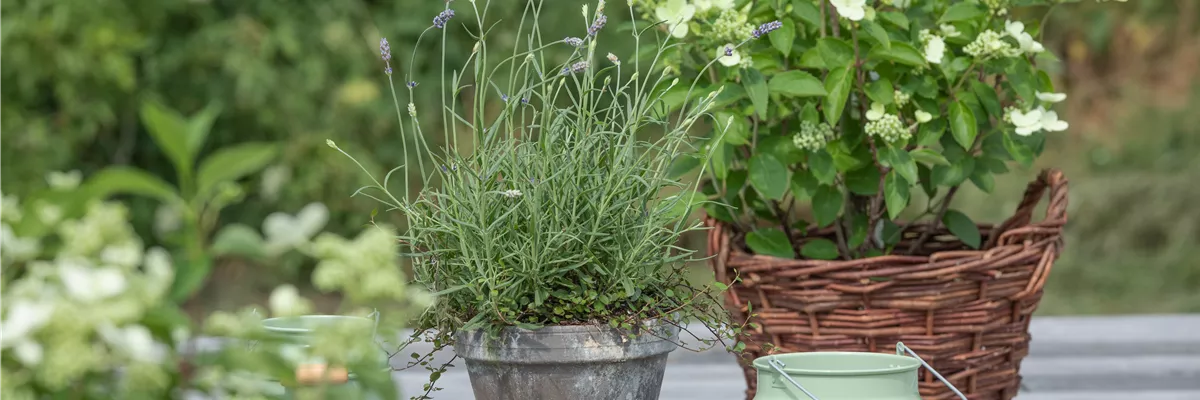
[[965, 311]]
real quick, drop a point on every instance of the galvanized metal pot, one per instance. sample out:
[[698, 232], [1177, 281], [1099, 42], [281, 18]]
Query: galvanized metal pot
[[568, 362]]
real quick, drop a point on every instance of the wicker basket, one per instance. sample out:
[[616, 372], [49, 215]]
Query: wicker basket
[[964, 311]]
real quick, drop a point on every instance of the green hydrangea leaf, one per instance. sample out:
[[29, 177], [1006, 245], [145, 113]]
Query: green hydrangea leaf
[[770, 242]]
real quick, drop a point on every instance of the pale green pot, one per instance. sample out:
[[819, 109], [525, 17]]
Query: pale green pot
[[838, 376], [297, 332]]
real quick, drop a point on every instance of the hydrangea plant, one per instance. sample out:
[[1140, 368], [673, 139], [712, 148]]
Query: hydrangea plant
[[872, 111], [87, 312]]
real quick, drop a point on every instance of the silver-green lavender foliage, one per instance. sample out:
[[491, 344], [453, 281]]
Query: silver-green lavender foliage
[[562, 211]]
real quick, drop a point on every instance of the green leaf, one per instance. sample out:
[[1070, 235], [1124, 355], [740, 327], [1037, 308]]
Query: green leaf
[[239, 240], [845, 160], [864, 181], [682, 165], [783, 37], [1021, 79], [782, 148], [930, 133], [821, 165], [768, 175], [812, 59], [770, 242], [233, 163], [820, 249], [962, 125], [962, 227], [809, 112], [807, 11], [895, 18], [170, 131], [928, 157], [902, 163], [129, 180], [895, 194], [199, 126], [836, 52], [189, 277], [881, 91], [961, 11], [983, 179], [987, 96], [826, 205], [756, 87], [1019, 151], [804, 185], [796, 83], [858, 230], [722, 157], [899, 52], [876, 32], [954, 174], [838, 84]]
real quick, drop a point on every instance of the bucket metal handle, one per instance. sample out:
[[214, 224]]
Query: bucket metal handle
[[778, 366], [901, 349]]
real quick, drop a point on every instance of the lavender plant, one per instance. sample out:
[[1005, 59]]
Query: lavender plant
[[874, 112], [563, 209]]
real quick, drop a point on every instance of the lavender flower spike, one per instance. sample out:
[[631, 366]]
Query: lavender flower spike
[[385, 49], [576, 67], [440, 20], [412, 84], [766, 28], [597, 25], [573, 41]]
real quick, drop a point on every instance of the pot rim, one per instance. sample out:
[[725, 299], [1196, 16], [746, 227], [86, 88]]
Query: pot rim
[[270, 323], [911, 364]]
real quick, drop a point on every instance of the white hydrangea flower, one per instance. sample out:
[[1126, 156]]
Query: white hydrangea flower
[[88, 284], [49, 214], [285, 300], [28, 352], [677, 14], [24, 318], [923, 117], [1027, 122], [728, 55], [134, 341], [1016, 29], [158, 270], [1051, 123], [876, 112], [128, 254], [935, 48], [283, 232], [705, 5], [15, 249], [1051, 97], [949, 30], [64, 180], [273, 179], [167, 219], [850, 9]]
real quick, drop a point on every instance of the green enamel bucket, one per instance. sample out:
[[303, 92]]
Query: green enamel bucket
[[842, 376]]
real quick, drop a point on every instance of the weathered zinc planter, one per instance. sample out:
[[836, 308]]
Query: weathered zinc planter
[[568, 362], [834, 375]]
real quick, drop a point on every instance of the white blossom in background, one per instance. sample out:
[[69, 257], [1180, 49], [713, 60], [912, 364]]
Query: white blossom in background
[[10, 208], [283, 232], [127, 255], [677, 14], [1051, 123], [949, 30], [15, 249], [728, 55], [49, 214], [133, 341], [167, 219], [23, 318], [87, 283], [285, 300], [935, 48], [853, 10], [64, 180], [273, 180]]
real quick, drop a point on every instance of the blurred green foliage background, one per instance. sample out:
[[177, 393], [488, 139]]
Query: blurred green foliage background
[[299, 72]]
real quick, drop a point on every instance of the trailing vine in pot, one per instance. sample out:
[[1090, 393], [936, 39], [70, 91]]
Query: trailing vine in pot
[[856, 106], [547, 227]]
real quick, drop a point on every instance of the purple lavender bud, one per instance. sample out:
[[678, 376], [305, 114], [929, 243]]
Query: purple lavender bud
[[504, 97], [385, 49], [573, 41], [728, 51], [766, 28], [412, 84], [388, 70], [524, 100], [440, 20], [576, 67], [597, 25]]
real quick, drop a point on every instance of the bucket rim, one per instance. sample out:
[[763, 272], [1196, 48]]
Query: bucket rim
[[273, 324], [911, 364]]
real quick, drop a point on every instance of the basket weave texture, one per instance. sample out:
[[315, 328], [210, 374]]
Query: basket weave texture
[[964, 311]]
